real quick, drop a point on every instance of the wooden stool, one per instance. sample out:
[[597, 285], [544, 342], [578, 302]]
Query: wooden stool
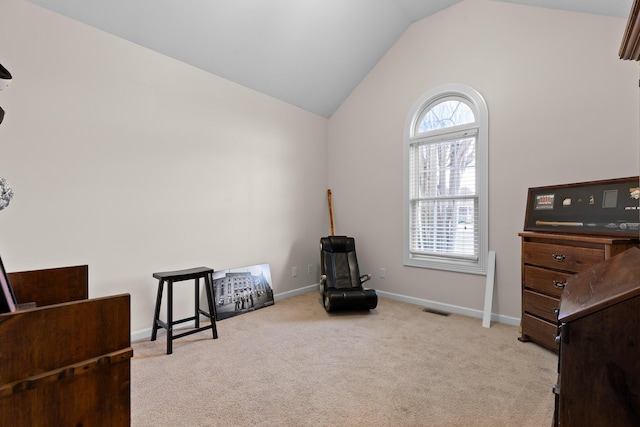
[[178, 276]]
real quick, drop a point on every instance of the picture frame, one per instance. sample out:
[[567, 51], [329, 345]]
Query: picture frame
[[8, 302], [607, 207], [242, 290]]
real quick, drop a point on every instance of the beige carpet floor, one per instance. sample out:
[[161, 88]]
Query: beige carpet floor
[[293, 364]]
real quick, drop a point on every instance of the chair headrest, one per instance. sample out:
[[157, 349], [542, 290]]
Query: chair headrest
[[339, 244]]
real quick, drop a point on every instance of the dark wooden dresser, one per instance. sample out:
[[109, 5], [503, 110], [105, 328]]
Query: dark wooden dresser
[[599, 358], [548, 260]]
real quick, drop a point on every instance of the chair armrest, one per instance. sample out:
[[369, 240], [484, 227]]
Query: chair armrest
[[364, 278]]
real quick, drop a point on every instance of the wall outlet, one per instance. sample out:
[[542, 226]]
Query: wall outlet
[[383, 273], [310, 269], [294, 271]]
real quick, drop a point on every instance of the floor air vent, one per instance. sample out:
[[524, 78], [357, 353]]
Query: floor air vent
[[434, 311]]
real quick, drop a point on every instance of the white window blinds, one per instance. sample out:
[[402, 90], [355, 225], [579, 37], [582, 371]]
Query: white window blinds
[[443, 196]]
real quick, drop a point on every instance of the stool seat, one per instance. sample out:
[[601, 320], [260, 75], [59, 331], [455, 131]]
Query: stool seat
[[179, 275], [170, 277]]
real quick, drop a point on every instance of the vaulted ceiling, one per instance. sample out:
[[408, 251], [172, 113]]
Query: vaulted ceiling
[[309, 53]]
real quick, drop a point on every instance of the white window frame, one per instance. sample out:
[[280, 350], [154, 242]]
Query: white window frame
[[472, 98]]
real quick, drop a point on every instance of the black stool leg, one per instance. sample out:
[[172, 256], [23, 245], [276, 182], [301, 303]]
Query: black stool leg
[[208, 283], [156, 315], [170, 317], [197, 302]]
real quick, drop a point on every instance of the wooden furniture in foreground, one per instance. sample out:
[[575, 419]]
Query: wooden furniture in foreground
[[599, 362], [170, 277], [548, 260], [630, 46], [51, 286], [65, 362]]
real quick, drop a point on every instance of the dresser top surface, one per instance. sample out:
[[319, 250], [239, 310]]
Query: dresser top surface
[[578, 238], [601, 286]]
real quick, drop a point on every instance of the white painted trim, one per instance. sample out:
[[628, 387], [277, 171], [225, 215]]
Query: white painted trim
[[142, 334], [479, 106], [507, 320], [488, 291], [293, 293]]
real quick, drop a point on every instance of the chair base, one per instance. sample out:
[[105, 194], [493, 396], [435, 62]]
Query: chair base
[[351, 299]]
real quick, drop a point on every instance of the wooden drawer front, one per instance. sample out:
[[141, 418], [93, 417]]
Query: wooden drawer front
[[542, 332], [561, 257], [548, 282], [541, 305]]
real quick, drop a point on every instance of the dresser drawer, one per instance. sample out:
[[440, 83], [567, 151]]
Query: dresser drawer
[[541, 305], [561, 257], [551, 258], [550, 282], [540, 331]]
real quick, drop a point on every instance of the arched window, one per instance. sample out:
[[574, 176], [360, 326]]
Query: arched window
[[446, 178]]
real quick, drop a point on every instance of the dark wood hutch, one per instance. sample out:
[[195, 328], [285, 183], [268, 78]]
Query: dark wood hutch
[[570, 228], [581, 296]]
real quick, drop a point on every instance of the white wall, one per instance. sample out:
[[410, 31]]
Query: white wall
[[562, 108], [132, 163]]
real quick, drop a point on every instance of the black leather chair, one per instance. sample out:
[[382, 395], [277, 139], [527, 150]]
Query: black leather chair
[[340, 281]]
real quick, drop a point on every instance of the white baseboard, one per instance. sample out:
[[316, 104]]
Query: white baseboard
[[293, 293], [513, 321], [142, 334]]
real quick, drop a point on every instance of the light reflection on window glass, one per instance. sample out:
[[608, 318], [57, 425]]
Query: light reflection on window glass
[[446, 114]]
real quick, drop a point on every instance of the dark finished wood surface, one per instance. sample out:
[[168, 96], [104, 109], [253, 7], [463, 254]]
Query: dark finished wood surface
[[67, 361]]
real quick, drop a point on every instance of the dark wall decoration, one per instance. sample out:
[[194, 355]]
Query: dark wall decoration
[[608, 207], [5, 78], [6, 193]]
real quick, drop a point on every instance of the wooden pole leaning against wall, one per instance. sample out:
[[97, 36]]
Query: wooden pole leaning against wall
[[333, 231]]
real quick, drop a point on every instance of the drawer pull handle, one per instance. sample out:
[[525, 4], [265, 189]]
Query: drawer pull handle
[[559, 285], [558, 257]]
